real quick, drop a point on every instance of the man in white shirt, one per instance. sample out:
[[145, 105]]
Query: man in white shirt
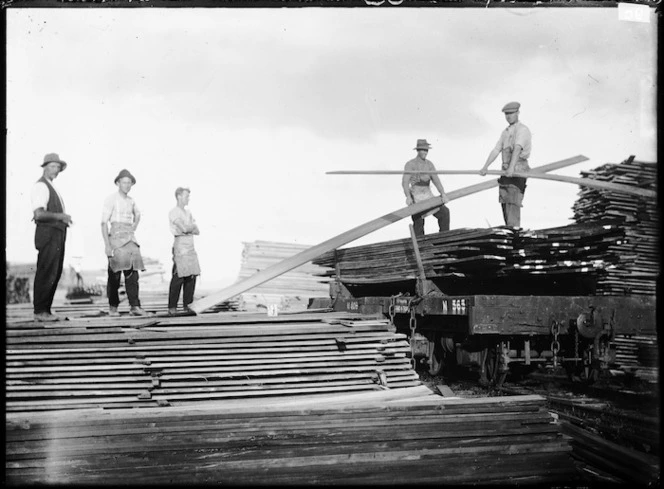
[[514, 145], [185, 260], [121, 247], [52, 222]]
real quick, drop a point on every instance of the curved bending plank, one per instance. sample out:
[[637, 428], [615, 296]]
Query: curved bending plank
[[309, 254], [585, 182]]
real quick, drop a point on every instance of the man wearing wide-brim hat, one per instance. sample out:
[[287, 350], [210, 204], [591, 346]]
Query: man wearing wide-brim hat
[[121, 247], [417, 188], [52, 222], [514, 145]]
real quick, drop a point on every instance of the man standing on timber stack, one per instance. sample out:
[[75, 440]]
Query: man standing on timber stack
[[122, 249], [185, 259], [49, 215], [514, 145], [416, 187]]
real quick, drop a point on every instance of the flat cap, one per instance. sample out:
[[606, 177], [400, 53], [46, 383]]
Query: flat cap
[[511, 107]]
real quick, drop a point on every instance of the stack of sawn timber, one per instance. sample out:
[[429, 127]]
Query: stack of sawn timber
[[638, 269], [138, 362], [387, 437], [290, 291], [561, 261]]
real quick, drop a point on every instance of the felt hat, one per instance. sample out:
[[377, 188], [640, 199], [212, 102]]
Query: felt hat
[[125, 173], [422, 144], [511, 107], [54, 158]]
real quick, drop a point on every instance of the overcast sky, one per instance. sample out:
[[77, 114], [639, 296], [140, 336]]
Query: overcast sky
[[250, 108]]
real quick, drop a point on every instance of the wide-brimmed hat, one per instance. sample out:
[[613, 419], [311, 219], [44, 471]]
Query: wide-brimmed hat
[[54, 158], [422, 144], [125, 173], [511, 107]]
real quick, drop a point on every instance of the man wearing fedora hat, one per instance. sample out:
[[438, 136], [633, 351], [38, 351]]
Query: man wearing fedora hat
[[417, 189], [50, 234], [514, 145], [121, 247]]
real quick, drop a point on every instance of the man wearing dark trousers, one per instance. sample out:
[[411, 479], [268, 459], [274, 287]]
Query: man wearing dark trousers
[[185, 260], [120, 245], [50, 235], [417, 189], [514, 145]]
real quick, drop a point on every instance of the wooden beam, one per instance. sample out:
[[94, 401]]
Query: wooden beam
[[351, 235], [586, 182]]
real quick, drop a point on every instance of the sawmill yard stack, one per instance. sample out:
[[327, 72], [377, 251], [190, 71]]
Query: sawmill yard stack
[[245, 398]]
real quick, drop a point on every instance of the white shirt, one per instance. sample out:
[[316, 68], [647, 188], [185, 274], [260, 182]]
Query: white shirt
[[40, 194], [119, 209]]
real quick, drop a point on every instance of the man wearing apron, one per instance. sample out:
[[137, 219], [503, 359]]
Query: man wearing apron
[[122, 249], [514, 145], [185, 260], [416, 187]]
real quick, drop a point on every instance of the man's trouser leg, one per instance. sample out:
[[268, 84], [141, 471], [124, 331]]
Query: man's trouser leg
[[510, 197], [131, 285], [513, 215], [189, 287], [174, 289], [50, 243], [112, 286], [443, 216], [418, 224]]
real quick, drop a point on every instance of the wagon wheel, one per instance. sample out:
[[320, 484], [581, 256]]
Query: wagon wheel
[[490, 374], [436, 356]]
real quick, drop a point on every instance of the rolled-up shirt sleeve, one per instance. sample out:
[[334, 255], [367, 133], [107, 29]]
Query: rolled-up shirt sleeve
[[107, 209], [39, 196], [523, 138]]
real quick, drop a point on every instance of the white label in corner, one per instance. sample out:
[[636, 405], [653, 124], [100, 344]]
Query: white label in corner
[[633, 12]]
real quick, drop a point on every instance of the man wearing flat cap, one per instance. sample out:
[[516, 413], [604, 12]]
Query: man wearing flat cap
[[185, 260], [514, 146], [52, 222], [121, 247], [417, 188]]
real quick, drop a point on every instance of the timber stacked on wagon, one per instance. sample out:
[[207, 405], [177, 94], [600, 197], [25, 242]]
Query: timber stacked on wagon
[[611, 249], [390, 437]]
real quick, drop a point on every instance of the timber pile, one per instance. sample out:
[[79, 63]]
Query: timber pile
[[558, 261], [290, 291], [629, 465], [139, 362], [639, 355], [456, 253], [387, 437], [612, 249], [638, 269]]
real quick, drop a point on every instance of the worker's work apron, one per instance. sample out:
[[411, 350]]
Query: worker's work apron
[[125, 249], [185, 256], [511, 189], [421, 192]]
